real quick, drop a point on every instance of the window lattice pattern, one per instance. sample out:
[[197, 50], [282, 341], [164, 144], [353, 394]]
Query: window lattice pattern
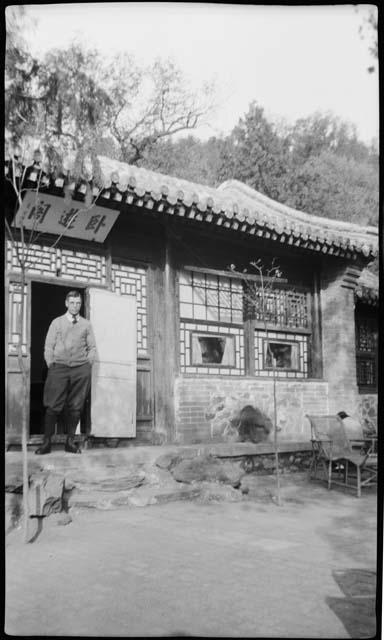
[[187, 328], [366, 372], [302, 341], [281, 307], [366, 335], [128, 280], [14, 311], [82, 266], [211, 298], [366, 351], [61, 263]]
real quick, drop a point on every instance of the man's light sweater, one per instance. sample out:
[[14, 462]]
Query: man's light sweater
[[70, 344]]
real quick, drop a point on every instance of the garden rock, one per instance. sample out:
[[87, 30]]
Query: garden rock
[[168, 460], [140, 500], [215, 492], [14, 484], [45, 494], [120, 483], [13, 510], [208, 468]]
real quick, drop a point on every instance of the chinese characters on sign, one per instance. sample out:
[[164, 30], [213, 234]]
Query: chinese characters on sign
[[38, 213], [68, 219], [51, 214], [96, 222]]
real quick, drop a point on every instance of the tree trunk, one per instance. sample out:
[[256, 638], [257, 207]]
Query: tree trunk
[[24, 417], [275, 439]]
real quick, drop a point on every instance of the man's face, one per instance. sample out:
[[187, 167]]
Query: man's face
[[73, 305]]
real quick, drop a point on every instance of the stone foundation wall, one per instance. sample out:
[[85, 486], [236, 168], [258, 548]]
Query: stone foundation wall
[[206, 407], [264, 464]]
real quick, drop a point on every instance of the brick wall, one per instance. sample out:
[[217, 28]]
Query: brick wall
[[338, 334], [206, 405]]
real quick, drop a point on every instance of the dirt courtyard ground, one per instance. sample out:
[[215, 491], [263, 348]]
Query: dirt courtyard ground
[[245, 569]]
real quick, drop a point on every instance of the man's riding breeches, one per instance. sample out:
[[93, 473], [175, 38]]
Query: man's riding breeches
[[67, 386]]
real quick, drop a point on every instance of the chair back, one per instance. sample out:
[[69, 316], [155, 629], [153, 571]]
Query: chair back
[[353, 428], [329, 430]]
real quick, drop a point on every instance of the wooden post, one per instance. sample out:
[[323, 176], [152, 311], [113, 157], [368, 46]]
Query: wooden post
[[24, 400], [158, 350], [249, 347], [170, 335], [275, 441], [164, 338], [316, 351]]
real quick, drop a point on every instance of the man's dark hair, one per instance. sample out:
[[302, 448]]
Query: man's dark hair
[[73, 294]]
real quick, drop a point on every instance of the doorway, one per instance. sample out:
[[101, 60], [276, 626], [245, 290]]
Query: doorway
[[47, 302]]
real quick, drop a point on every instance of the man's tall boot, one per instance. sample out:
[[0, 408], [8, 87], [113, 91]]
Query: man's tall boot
[[73, 418], [49, 429]]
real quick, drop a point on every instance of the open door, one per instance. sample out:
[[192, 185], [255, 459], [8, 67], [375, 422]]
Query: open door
[[113, 395]]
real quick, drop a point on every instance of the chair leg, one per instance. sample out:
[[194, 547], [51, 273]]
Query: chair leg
[[312, 468], [329, 474], [324, 469], [358, 470]]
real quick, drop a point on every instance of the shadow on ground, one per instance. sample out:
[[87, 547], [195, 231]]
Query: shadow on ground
[[357, 609]]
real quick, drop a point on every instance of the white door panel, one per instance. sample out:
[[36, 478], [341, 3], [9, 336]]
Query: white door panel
[[113, 397]]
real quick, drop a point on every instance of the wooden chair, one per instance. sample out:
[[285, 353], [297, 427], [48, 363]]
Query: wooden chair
[[334, 455], [357, 437]]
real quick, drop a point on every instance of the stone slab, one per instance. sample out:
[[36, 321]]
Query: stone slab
[[209, 468]]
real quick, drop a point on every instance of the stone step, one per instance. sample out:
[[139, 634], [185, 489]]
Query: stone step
[[110, 458], [140, 497]]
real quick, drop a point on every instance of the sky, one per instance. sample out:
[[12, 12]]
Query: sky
[[293, 61]]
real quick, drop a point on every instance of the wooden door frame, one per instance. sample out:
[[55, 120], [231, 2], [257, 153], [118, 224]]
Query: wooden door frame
[[147, 362], [11, 277]]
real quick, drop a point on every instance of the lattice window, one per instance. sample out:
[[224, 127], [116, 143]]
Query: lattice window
[[277, 306], [366, 337], [82, 266], [222, 304], [14, 310], [211, 331], [210, 297], [132, 280], [289, 350], [211, 349], [366, 372], [366, 350]]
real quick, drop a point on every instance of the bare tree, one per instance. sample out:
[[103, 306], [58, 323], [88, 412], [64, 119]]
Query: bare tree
[[152, 104], [259, 283], [78, 101]]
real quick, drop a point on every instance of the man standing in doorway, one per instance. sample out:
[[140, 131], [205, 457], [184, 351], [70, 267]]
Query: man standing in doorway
[[69, 352]]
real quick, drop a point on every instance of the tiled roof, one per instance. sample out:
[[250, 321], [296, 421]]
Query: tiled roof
[[367, 289], [237, 206]]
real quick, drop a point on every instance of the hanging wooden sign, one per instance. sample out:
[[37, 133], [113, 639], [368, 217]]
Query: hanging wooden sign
[[52, 214]]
